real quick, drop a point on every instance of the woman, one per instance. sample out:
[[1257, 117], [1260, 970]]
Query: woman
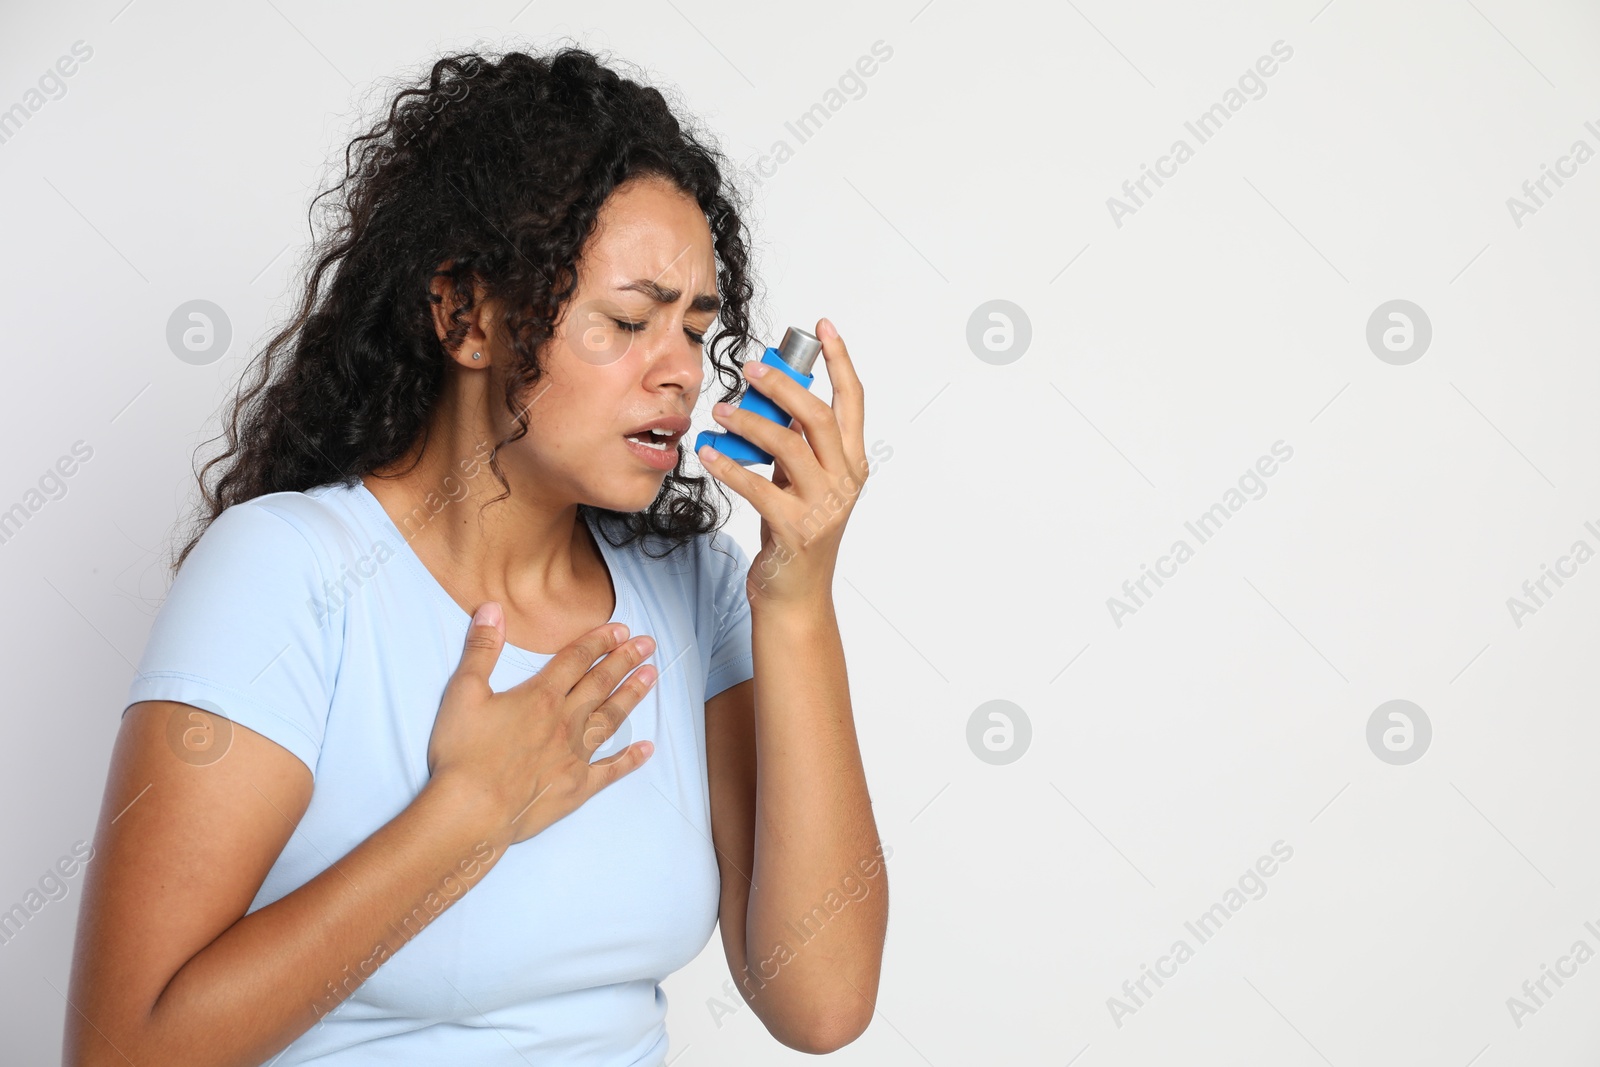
[[358, 810]]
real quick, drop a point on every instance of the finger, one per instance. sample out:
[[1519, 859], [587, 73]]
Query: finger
[[627, 761], [603, 677], [574, 660], [765, 497], [849, 400], [603, 721], [811, 413], [486, 635], [794, 451]]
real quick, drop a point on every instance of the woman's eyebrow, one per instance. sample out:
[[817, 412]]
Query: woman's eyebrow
[[703, 302]]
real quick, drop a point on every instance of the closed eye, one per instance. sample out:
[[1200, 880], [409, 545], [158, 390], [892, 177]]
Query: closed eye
[[638, 327]]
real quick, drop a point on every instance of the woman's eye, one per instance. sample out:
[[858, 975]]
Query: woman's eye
[[637, 327]]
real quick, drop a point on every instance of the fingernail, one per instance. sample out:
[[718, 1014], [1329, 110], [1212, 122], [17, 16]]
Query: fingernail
[[721, 409], [647, 675], [488, 614], [707, 453], [755, 370], [826, 328], [643, 644], [620, 632]]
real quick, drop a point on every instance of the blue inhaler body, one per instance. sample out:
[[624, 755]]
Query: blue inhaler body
[[794, 356]]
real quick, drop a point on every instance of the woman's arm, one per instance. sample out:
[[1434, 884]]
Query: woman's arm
[[805, 943], [169, 970], [805, 894]]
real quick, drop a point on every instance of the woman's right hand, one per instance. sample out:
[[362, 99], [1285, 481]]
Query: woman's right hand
[[522, 756]]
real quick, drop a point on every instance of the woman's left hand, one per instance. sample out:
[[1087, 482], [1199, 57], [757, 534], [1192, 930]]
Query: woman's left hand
[[819, 467]]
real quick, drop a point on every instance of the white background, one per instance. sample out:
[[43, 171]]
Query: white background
[[1167, 354]]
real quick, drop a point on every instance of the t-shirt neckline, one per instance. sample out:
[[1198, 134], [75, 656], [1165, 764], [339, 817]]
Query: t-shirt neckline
[[621, 611]]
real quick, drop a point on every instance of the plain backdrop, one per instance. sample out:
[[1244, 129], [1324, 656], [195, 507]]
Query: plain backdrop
[[1045, 450]]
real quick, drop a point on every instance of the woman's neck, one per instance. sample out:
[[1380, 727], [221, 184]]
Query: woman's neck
[[519, 550]]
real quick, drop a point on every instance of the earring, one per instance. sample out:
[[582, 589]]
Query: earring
[[477, 355]]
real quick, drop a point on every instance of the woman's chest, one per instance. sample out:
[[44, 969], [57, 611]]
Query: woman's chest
[[624, 888]]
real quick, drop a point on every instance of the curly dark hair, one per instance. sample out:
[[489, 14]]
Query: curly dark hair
[[498, 168]]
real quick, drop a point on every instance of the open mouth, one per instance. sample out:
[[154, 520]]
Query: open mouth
[[660, 440]]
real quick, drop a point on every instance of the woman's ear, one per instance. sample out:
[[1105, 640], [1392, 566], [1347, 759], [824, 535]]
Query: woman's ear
[[473, 350]]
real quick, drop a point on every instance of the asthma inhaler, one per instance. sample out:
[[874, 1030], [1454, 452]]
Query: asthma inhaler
[[794, 356]]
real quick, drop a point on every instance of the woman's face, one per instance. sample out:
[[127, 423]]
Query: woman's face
[[623, 372]]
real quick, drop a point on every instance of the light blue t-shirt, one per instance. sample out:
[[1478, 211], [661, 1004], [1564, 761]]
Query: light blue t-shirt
[[308, 618]]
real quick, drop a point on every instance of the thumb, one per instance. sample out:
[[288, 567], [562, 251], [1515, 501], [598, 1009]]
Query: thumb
[[486, 635]]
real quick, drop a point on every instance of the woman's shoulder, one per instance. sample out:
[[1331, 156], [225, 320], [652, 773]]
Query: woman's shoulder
[[706, 574], [319, 527], [700, 561], [320, 512], [249, 628]]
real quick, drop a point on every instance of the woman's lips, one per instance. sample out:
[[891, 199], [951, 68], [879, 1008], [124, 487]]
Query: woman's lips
[[661, 453]]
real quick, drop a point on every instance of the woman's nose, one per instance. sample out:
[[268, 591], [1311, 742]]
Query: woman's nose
[[681, 364]]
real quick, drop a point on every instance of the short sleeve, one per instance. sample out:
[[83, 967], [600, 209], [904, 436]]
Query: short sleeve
[[727, 606], [245, 632]]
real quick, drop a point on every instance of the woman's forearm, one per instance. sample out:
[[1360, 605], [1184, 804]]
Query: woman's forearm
[[274, 973], [815, 836]]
